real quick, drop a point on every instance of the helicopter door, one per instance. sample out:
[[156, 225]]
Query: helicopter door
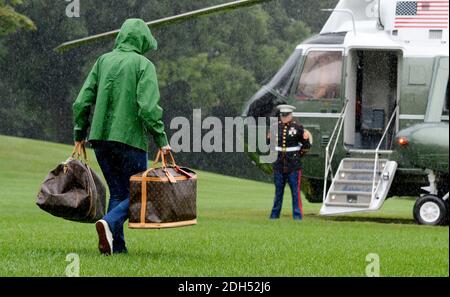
[[372, 91]]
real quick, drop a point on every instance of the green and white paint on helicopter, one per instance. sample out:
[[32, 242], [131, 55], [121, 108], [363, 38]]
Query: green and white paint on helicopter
[[372, 89]]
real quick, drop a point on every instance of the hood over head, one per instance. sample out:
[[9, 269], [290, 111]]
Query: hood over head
[[136, 36]]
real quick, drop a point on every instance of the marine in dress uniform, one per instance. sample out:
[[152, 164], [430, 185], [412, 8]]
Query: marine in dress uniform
[[292, 144]]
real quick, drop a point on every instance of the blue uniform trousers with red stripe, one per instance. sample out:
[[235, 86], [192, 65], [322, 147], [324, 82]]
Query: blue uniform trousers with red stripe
[[294, 180]]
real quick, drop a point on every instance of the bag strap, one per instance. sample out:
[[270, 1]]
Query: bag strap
[[80, 151], [161, 157], [144, 198], [153, 166], [172, 159], [183, 172], [164, 167], [177, 168], [92, 208]]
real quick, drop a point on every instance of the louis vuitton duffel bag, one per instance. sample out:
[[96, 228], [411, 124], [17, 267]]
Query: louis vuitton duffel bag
[[73, 190]]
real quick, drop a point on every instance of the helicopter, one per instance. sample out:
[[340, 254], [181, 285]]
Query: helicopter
[[371, 89]]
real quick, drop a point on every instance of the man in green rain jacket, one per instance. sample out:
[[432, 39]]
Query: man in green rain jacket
[[122, 88]]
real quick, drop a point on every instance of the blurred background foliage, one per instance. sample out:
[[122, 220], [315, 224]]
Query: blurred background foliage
[[11, 20], [214, 63]]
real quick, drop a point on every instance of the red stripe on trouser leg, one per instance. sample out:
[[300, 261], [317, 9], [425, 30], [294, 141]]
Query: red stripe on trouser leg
[[299, 192]]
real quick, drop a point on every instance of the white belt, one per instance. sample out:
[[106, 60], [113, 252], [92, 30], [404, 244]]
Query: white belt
[[287, 149]]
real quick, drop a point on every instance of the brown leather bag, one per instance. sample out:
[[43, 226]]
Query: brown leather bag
[[73, 190], [163, 197]]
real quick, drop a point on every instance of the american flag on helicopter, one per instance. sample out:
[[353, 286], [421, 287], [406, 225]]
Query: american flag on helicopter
[[432, 14]]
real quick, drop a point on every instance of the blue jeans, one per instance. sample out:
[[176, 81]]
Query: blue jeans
[[294, 180], [118, 162]]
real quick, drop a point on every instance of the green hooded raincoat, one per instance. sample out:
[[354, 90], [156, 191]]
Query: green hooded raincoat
[[123, 87]]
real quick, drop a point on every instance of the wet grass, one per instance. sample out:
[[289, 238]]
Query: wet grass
[[233, 238]]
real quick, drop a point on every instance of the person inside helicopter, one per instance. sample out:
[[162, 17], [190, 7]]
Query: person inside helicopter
[[321, 77]]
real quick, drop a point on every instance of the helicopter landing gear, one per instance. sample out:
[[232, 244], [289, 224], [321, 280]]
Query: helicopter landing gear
[[432, 188], [431, 210]]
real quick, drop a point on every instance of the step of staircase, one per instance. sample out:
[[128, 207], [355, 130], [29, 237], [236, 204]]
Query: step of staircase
[[353, 186], [362, 164], [357, 174], [356, 205], [349, 198], [353, 183]]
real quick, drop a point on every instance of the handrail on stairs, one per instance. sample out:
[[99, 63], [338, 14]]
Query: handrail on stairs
[[328, 157], [377, 152]]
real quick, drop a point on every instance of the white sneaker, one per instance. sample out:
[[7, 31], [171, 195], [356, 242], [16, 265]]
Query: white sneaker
[[105, 238]]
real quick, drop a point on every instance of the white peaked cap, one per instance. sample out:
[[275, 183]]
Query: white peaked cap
[[286, 108]]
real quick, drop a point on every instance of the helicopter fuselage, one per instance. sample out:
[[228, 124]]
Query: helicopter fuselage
[[392, 83]]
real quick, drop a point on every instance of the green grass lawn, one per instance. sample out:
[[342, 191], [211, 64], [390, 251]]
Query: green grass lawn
[[234, 236]]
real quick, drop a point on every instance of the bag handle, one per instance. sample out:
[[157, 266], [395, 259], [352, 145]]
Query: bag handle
[[164, 166], [80, 151], [171, 159], [174, 165], [160, 156]]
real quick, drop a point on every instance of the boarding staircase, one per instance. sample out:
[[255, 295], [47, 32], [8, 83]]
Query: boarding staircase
[[359, 184]]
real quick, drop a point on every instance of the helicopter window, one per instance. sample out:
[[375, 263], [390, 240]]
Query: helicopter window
[[321, 77], [282, 81]]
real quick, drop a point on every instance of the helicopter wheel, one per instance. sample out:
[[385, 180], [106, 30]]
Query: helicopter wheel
[[431, 210]]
